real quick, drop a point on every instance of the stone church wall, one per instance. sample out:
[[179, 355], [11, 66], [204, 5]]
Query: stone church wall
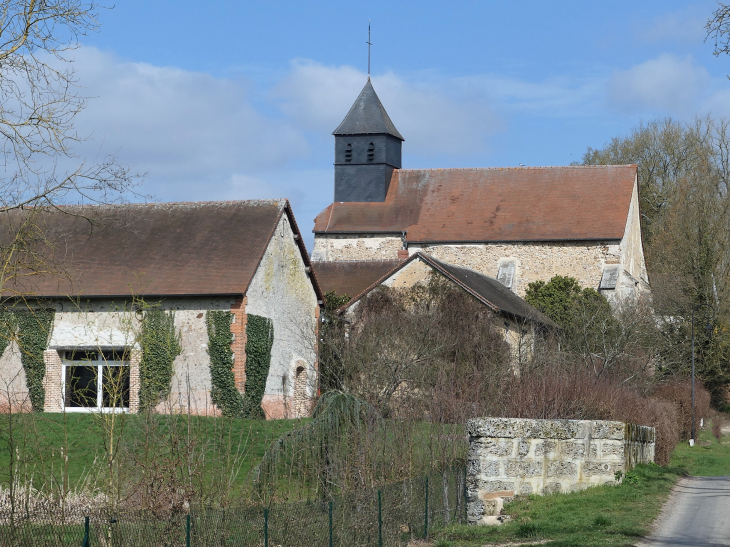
[[534, 261], [510, 456]]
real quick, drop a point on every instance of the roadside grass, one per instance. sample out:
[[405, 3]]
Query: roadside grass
[[605, 515], [707, 458]]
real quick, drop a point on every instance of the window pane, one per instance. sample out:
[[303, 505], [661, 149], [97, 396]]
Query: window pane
[[81, 386], [116, 387]]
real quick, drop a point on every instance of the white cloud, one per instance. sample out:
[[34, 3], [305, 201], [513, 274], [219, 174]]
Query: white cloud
[[178, 124], [667, 83], [432, 117], [685, 26]]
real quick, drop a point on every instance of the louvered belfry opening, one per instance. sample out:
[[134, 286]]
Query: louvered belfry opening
[[367, 150]]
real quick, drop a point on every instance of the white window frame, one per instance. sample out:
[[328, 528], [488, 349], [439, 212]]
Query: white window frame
[[101, 363]]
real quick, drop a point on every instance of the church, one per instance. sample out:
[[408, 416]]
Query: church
[[515, 224]]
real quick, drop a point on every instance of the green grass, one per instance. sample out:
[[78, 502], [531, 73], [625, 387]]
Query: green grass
[[41, 437], [708, 458]]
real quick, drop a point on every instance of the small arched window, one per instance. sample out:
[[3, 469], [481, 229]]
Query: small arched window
[[371, 152], [348, 153]]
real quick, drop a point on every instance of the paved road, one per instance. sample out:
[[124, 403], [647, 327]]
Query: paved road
[[697, 514]]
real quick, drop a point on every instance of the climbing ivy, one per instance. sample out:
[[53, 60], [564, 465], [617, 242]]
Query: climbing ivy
[[223, 385], [8, 328], [259, 339], [160, 346], [34, 328]]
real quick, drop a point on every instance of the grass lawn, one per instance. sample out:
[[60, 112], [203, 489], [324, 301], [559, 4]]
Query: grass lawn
[[41, 437], [605, 515], [708, 458]]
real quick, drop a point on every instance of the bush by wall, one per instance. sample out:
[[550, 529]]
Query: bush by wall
[[34, 330], [160, 346]]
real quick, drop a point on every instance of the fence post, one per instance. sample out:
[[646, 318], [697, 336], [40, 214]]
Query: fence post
[[380, 521], [266, 527], [86, 541], [330, 524], [187, 531], [425, 516]]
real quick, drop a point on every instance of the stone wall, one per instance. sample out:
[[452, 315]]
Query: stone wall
[[511, 456], [281, 290], [534, 261]]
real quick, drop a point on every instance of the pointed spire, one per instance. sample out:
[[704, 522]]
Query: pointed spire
[[367, 116]]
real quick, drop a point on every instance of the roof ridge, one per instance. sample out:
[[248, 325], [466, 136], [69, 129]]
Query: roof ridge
[[281, 202], [520, 168]]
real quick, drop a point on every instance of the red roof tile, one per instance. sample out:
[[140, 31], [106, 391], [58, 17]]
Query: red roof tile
[[351, 278], [509, 204], [202, 248]]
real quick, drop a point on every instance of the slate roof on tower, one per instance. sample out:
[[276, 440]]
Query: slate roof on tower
[[367, 116], [493, 204]]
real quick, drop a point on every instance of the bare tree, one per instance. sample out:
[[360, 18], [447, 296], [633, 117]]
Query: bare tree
[[39, 102], [718, 29]]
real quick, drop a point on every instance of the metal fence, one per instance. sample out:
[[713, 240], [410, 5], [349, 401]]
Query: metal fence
[[389, 516]]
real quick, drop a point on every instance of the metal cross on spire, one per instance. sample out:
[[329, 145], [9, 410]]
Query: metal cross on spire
[[369, 43]]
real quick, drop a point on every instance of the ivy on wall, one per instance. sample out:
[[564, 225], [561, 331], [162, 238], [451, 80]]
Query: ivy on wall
[[160, 346], [259, 340], [223, 384], [34, 329]]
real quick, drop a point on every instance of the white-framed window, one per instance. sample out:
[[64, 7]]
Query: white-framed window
[[95, 380]]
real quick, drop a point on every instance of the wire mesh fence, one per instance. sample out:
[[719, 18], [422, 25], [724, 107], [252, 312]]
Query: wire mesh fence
[[392, 515]]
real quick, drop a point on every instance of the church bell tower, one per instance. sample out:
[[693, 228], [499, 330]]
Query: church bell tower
[[367, 149]]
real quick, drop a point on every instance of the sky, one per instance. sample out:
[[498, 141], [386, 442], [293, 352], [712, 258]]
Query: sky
[[226, 100]]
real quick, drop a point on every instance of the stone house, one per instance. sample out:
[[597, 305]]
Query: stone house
[[523, 324], [518, 224], [190, 260]]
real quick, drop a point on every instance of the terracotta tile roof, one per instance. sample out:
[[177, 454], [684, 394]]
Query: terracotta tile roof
[[486, 289], [202, 248], [351, 278], [509, 204]]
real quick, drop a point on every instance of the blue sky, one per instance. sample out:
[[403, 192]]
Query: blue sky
[[237, 100]]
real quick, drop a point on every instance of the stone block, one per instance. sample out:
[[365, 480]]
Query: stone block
[[493, 506], [523, 447], [502, 428], [545, 448], [613, 448], [495, 486], [485, 496], [553, 488], [497, 447], [490, 468], [608, 430], [577, 449], [562, 469], [473, 467], [523, 469], [592, 469], [525, 489]]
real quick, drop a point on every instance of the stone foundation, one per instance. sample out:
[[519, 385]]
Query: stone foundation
[[511, 456]]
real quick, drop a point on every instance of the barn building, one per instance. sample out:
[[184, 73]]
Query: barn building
[[190, 260]]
